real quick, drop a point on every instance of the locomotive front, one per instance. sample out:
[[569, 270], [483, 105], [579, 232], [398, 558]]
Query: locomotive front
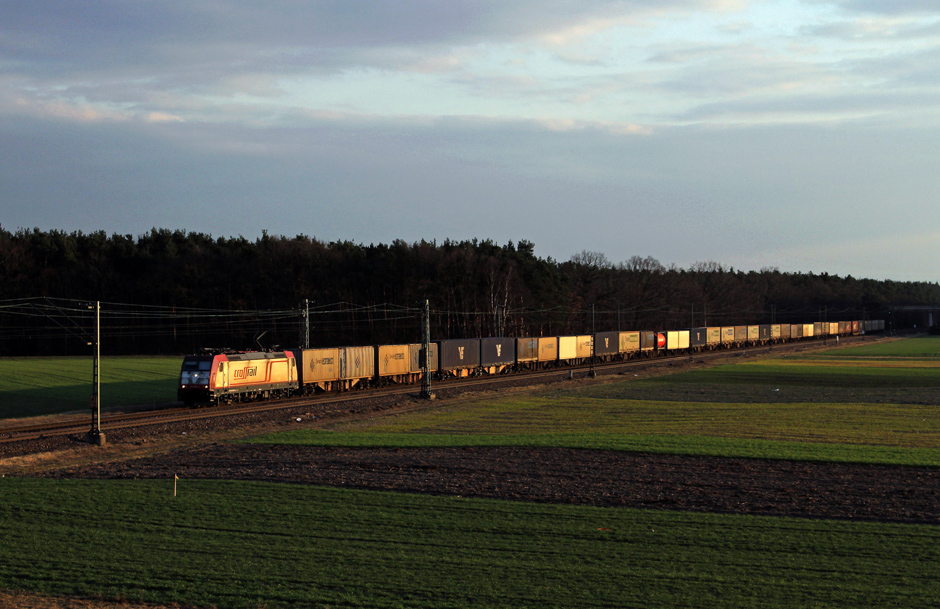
[[194, 379]]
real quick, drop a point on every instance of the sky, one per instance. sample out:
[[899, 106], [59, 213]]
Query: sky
[[802, 135]]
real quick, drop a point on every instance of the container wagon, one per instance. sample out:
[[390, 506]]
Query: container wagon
[[753, 335], [336, 368], [527, 353], [459, 357], [548, 351], [629, 344], [677, 340], [698, 339], [497, 355], [607, 346]]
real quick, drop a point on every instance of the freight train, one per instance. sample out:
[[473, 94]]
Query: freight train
[[226, 376]]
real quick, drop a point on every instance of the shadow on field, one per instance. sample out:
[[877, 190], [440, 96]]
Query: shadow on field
[[58, 400]]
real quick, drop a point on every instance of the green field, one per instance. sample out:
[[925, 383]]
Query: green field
[[909, 347], [831, 406], [229, 544], [250, 545], [33, 386]]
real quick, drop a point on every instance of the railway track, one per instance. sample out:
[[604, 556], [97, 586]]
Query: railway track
[[79, 424]]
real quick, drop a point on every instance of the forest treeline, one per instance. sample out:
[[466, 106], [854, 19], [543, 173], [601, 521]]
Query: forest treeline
[[372, 293]]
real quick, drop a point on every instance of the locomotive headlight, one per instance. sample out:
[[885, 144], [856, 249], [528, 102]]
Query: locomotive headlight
[[194, 378]]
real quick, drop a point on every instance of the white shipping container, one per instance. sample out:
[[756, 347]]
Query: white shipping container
[[567, 347], [677, 339]]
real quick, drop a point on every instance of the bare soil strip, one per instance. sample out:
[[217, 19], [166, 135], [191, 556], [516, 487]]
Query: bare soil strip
[[558, 475]]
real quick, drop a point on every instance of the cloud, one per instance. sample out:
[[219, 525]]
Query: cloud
[[135, 55], [76, 32], [888, 7], [872, 257], [162, 117], [240, 60], [734, 73], [867, 29], [679, 129], [76, 110]]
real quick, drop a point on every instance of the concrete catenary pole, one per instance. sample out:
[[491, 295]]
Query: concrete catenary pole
[[94, 435], [426, 350]]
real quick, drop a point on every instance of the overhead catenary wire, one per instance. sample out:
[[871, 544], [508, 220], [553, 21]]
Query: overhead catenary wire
[[52, 321]]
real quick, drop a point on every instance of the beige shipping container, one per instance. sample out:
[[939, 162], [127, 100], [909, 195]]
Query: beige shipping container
[[548, 349], [585, 346], [567, 347], [319, 367], [393, 360], [713, 336], [753, 333], [414, 352], [629, 342], [807, 330], [727, 334], [357, 363], [527, 350], [833, 328]]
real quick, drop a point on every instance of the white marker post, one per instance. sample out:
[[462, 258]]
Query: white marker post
[[175, 478]]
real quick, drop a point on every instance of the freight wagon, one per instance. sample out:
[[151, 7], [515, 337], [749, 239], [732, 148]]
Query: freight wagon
[[698, 339], [677, 341], [458, 358], [607, 346], [548, 351], [527, 353], [336, 368], [497, 355], [401, 364]]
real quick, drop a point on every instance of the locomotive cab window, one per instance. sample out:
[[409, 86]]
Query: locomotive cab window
[[195, 371], [195, 365]]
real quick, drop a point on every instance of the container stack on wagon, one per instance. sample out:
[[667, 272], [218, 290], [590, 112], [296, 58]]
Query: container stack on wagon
[[698, 339], [677, 341], [458, 357], [401, 364], [527, 353], [548, 351], [607, 346], [336, 368], [497, 355]]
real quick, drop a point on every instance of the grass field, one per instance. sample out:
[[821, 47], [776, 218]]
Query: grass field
[[910, 347], [51, 385], [824, 407], [250, 545], [238, 545]]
